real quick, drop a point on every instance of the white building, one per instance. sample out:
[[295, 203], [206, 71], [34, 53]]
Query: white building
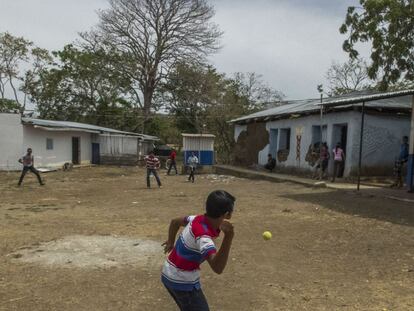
[[289, 131], [57, 142]]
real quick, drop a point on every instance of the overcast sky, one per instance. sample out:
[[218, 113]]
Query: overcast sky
[[290, 42]]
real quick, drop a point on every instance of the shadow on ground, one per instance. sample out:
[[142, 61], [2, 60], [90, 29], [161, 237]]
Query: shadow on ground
[[362, 205]]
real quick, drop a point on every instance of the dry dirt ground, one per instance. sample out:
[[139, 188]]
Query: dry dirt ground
[[89, 240]]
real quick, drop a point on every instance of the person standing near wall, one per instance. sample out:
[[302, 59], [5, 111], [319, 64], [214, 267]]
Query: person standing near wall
[[192, 163], [399, 163], [173, 156], [324, 160], [339, 159], [271, 163], [28, 165], [153, 163]]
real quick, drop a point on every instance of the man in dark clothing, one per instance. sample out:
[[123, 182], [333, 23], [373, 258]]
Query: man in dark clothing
[[28, 165], [399, 163], [404, 150], [271, 163], [173, 156]]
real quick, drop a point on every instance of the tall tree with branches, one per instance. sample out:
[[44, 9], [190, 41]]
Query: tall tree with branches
[[348, 77], [389, 26], [153, 36]]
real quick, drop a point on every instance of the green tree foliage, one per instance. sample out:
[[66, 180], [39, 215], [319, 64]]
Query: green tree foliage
[[85, 86], [389, 26], [8, 105], [14, 53], [203, 100]]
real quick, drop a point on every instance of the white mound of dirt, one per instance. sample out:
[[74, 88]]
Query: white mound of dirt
[[93, 252]]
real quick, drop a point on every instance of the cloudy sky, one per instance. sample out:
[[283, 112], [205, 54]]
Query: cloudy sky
[[290, 42]]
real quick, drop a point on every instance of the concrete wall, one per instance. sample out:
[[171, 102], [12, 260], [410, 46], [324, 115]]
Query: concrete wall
[[62, 146], [11, 141], [381, 141]]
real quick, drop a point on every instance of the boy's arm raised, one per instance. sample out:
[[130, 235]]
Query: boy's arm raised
[[218, 261], [175, 225]]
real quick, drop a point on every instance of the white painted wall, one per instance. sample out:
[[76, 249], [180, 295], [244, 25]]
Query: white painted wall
[[382, 139], [118, 145], [62, 146], [11, 141]]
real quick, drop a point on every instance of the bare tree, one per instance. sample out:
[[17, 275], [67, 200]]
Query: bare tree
[[152, 36], [348, 77], [258, 93]]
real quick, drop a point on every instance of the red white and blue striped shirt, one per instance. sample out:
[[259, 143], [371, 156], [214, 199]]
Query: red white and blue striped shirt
[[181, 271], [152, 162]]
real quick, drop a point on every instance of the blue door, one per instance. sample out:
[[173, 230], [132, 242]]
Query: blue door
[[273, 142], [96, 158]]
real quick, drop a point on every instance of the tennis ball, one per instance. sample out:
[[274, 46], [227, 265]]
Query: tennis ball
[[267, 235]]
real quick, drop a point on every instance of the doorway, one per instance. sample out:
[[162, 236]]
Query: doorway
[[96, 158], [273, 142], [340, 135], [76, 150]]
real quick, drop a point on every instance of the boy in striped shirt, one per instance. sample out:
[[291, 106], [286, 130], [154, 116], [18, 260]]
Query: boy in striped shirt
[[181, 271], [153, 164]]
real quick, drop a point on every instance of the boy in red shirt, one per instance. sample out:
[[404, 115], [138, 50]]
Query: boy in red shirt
[[173, 156]]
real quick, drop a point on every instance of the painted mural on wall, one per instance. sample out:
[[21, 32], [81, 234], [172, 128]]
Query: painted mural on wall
[[249, 143], [282, 155], [312, 156]]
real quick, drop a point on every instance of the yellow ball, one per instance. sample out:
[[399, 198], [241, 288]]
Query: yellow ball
[[267, 235]]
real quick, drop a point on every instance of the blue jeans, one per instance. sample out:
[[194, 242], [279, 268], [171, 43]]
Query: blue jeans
[[189, 300], [153, 172]]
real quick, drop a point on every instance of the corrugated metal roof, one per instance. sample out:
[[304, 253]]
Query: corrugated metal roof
[[367, 98], [67, 125], [198, 135], [392, 100]]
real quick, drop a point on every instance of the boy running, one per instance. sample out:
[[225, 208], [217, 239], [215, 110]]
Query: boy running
[[28, 165], [153, 163], [181, 271], [192, 163]]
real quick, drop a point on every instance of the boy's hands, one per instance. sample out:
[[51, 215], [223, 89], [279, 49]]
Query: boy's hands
[[168, 246], [227, 228]]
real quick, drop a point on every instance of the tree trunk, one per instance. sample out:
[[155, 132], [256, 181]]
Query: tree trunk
[[148, 96], [149, 92]]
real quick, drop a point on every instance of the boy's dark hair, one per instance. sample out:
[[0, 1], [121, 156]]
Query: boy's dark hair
[[218, 203]]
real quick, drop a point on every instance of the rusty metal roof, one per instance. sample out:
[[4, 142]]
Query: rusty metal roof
[[397, 101]]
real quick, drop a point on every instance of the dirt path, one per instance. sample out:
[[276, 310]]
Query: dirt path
[[330, 250]]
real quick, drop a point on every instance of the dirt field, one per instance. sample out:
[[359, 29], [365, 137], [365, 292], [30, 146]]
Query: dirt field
[[71, 244]]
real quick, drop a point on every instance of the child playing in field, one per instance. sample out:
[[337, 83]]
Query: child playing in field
[[192, 163], [181, 271], [153, 164], [28, 165]]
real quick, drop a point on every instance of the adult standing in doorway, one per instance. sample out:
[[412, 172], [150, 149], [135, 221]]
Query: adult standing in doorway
[[173, 156], [28, 165], [192, 163], [339, 159], [153, 163]]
